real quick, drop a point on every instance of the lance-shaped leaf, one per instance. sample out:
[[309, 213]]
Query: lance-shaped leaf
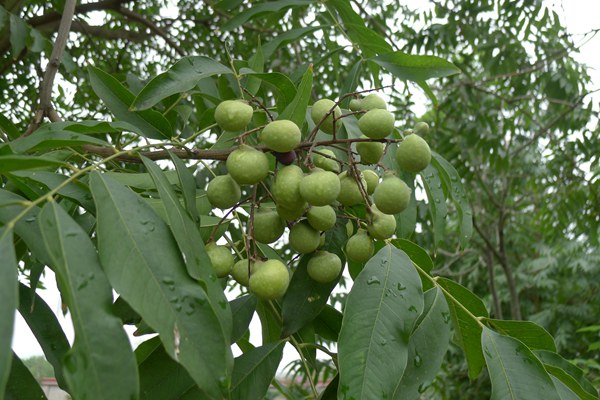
[[242, 311], [118, 99], [260, 9], [296, 110], [52, 140], [8, 301], [428, 345], [568, 373], [515, 372], [145, 266], [531, 334], [46, 329], [419, 256], [188, 186], [21, 383], [464, 308], [436, 202], [10, 163], [380, 313], [183, 76], [415, 68], [254, 370], [286, 37], [101, 364]]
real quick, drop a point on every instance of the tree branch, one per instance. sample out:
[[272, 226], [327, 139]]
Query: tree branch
[[53, 16], [44, 105]]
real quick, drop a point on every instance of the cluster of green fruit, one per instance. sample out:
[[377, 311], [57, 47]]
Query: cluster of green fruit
[[308, 202]]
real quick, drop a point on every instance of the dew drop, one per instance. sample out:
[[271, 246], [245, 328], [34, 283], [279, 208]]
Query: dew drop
[[383, 342], [222, 303], [412, 308], [71, 234], [178, 307], [30, 219], [373, 280], [418, 360], [446, 317]]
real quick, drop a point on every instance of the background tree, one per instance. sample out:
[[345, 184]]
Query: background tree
[[515, 124]]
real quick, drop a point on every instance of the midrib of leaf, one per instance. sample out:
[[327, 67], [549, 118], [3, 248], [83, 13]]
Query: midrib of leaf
[[512, 396]]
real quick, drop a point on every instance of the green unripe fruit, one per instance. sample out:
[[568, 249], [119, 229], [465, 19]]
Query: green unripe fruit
[[270, 281], [360, 247], [355, 105], [220, 258], [372, 180], [286, 188], [320, 188], [240, 271], [233, 115], [349, 228], [247, 165], [326, 163], [370, 152], [281, 136], [324, 267], [377, 123], [293, 213], [421, 128], [268, 226], [349, 191], [382, 226], [322, 107], [392, 195], [321, 218], [373, 101], [223, 192], [413, 154], [304, 238]]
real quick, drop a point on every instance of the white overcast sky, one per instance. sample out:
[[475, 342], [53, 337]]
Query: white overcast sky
[[580, 16]]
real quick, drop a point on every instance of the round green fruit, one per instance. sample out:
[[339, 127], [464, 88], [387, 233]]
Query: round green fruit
[[355, 105], [223, 192], [281, 136], [370, 152], [321, 218], [304, 238], [270, 281], [392, 195], [326, 163], [247, 165], [373, 101], [350, 194], [382, 226], [267, 226], [324, 267], [320, 109], [377, 123], [320, 188], [220, 258], [421, 128], [239, 271], [233, 115], [286, 187], [413, 154], [360, 247], [293, 213], [372, 180]]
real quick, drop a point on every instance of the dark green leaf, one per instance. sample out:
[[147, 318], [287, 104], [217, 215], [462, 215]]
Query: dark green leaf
[[18, 35], [156, 285], [6, 125], [428, 345], [270, 322], [9, 300], [254, 370], [283, 86], [296, 110], [328, 323], [351, 82], [452, 182], [531, 334], [380, 313], [46, 329], [516, 373], [21, 384], [118, 99], [286, 37], [142, 180], [436, 202], [415, 67], [242, 311], [52, 140], [255, 63], [19, 162], [567, 373], [262, 8], [416, 253], [423, 85], [188, 186], [182, 77], [464, 307], [330, 392], [101, 364]]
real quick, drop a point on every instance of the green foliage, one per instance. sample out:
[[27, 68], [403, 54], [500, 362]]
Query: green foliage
[[113, 197]]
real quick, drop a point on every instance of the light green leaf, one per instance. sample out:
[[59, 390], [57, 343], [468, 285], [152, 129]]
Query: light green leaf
[[531, 334], [18, 35], [182, 77], [284, 87], [254, 370], [380, 313], [20, 162], [101, 364], [436, 202], [53, 139], [464, 306], [156, 284], [141, 180], [415, 68], [568, 373], [286, 37], [351, 82], [419, 256], [118, 99], [21, 384], [260, 9], [296, 110], [515, 372], [9, 300], [428, 344], [454, 186]]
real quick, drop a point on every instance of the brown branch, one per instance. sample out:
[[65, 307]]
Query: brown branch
[[153, 27], [52, 16], [44, 104], [98, 31]]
